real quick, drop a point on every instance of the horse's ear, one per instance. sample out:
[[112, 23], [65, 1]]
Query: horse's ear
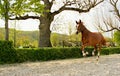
[[80, 21], [76, 22]]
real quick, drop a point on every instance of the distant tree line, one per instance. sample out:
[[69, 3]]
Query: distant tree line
[[29, 39], [23, 38]]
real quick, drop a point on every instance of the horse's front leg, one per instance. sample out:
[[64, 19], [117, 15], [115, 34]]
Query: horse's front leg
[[83, 52]]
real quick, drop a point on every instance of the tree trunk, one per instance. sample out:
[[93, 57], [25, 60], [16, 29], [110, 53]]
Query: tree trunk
[[44, 30], [6, 21], [44, 35], [6, 30]]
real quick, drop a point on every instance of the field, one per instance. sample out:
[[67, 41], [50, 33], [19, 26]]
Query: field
[[108, 65]]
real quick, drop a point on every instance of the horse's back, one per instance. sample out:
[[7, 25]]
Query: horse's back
[[97, 38], [103, 41]]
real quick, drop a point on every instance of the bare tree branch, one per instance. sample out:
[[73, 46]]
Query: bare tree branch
[[24, 17], [52, 2], [116, 10], [109, 24], [106, 22], [83, 6], [108, 29]]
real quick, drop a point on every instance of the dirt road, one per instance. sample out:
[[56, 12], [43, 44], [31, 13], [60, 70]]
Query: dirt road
[[108, 65]]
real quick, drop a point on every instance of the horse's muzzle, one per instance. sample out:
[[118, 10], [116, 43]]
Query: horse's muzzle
[[77, 32]]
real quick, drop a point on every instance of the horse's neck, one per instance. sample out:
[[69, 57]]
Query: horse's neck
[[85, 32]]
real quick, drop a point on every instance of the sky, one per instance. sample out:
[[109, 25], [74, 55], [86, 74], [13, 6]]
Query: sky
[[63, 21], [25, 25]]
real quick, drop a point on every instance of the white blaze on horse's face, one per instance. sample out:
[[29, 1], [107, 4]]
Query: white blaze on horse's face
[[77, 27]]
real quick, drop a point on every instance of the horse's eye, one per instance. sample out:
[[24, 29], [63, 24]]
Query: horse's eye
[[76, 26]]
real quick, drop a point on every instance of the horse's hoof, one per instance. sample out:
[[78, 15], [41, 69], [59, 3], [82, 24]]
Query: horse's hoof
[[93, 54], [87, 53], [84, 55], [97, 59]]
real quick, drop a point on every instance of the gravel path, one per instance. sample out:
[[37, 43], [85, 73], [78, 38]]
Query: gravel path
[[107, 66]]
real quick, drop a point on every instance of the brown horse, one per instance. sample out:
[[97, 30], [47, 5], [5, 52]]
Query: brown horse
[[94, 39]]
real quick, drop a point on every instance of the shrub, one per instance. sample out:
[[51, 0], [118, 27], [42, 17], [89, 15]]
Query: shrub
[[7, 52], [11, 55], [44, 54]]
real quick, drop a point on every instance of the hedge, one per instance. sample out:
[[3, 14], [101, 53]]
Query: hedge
[[45, 54], [8, 54]]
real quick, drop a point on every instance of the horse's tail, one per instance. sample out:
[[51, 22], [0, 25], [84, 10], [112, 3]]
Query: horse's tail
[[103, 42]]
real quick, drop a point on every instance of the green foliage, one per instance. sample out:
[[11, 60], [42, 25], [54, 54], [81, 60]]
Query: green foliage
[[1, 36], [10, 55], [21, 7], [55, 39], [4, 7], [110, 50], [23, 38], [45, 54], [38, 6], [7, 52], [26, 38], [117, 37], [60, 40]]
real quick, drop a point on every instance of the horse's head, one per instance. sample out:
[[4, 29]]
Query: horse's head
[[79, 26]]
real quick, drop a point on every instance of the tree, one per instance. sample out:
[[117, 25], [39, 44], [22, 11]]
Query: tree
[[46, 16], [115, 4], [4, 13], [108, 21], [117, 37]]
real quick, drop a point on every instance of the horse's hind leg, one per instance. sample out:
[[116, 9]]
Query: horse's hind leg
[[98, 54], [93, 52]]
